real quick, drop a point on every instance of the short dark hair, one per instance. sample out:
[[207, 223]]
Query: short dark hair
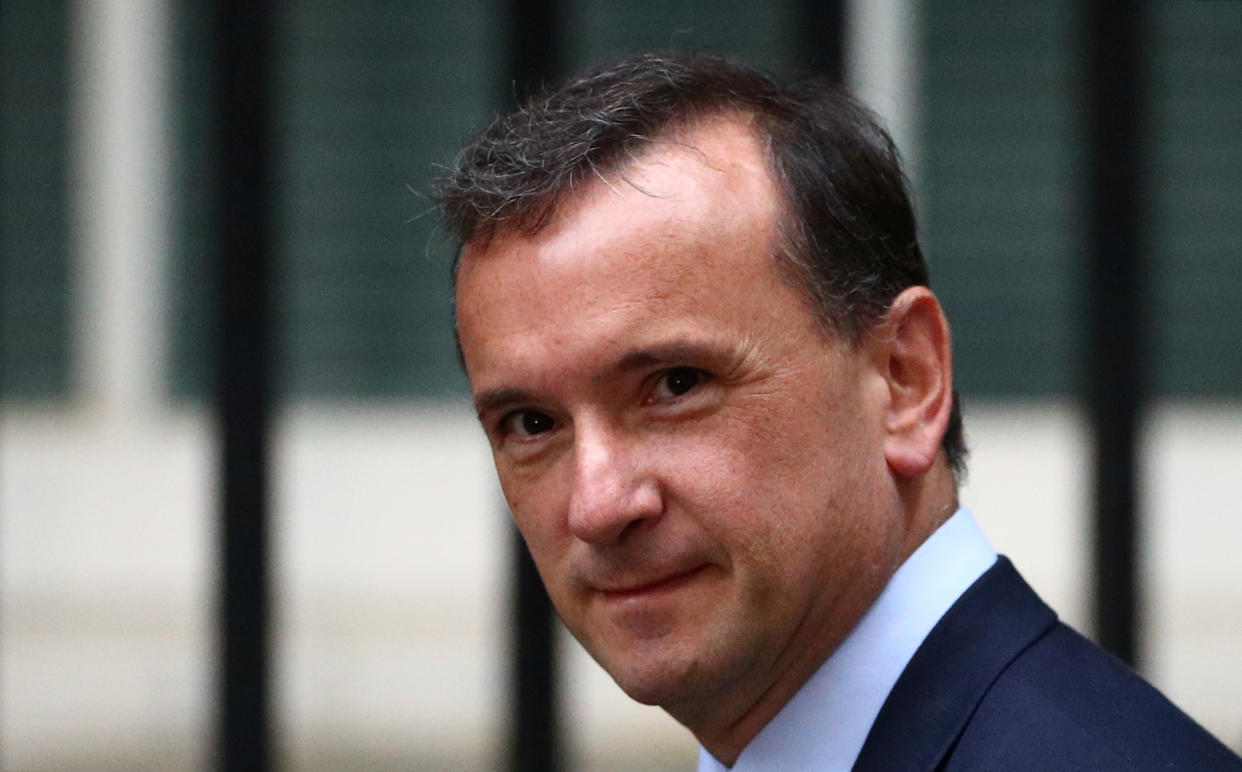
[[849, 234]]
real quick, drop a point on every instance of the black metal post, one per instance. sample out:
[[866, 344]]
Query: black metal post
[[243, 46], [823, 38], [535, 34], [534, 724], [1116, 254]]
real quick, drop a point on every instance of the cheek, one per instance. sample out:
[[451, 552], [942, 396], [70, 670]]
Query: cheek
[[537, 514], [537, 505], [775, 484], [743, 482]]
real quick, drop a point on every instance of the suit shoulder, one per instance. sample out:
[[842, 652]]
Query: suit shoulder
[[1067, 704]]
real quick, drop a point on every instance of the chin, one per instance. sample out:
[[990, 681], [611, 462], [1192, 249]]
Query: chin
[[673, 676], [654, 686], [666, 657], [649, 671]]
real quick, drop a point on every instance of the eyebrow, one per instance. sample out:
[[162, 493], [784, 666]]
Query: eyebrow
[[663, 353], [494, 399], [636, 359]]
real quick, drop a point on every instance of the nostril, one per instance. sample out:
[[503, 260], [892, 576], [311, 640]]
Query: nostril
[[612, 498], [614, 493], [630, 528]]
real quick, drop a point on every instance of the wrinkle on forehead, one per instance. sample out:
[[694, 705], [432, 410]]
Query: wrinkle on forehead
[[702, 198], [725, 144], [684, 134]]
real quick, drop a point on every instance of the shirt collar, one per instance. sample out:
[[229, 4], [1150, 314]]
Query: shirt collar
[[824, 725]]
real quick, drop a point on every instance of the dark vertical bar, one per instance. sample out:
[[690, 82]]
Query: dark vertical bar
[[244, 238], [536, 53], [823, 38], [1117, 379], [534, 723], [535, 57]]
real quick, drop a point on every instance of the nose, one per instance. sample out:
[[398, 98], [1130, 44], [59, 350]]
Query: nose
[[612, 492]]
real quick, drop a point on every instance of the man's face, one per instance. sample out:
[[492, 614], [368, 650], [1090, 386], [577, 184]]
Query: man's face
[[696, 467]]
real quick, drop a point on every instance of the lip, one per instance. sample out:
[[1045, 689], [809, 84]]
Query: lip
[[662, 586]]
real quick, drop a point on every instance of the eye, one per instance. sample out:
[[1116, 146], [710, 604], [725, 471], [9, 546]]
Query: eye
[[527, 423], [678, 381]]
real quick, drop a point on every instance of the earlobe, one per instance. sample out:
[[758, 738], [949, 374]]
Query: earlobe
[[916, 361]]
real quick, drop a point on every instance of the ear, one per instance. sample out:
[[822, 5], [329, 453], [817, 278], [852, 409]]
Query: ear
[[917, 364]]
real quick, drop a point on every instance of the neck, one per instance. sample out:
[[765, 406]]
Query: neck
[[726, 726], [928, 501]]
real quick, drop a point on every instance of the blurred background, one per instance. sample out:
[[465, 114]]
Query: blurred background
[[390, 547]]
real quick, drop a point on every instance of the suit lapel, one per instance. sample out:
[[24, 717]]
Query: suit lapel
[[991, 624]]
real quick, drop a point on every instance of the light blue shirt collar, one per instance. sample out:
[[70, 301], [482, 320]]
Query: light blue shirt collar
[[824, 725]]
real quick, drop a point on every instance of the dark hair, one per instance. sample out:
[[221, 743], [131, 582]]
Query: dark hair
[[849, 235]]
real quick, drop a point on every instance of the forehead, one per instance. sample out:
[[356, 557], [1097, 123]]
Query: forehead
[[704, 176], [690, 222]]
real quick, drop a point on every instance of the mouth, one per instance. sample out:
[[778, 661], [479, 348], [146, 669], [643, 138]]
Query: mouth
[[652, 589]]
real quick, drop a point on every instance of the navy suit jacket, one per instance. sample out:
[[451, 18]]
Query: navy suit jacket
[[1000, 684]]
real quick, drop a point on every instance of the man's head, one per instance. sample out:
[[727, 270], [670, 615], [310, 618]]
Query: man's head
[[848, 231], [692, 309]]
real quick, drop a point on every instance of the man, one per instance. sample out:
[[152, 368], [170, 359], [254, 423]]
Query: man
[[697, 327]]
